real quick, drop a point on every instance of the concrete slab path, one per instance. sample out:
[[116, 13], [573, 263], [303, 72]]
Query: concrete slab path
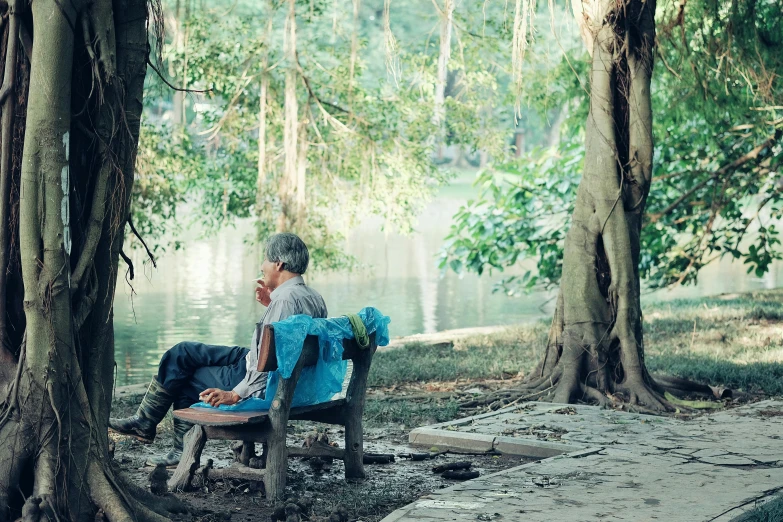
[[605, 465]]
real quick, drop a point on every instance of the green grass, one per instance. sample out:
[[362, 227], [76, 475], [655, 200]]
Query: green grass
[[772, 511], [734, 341], [731, 340], [409, 413], [766, 378], [482, 357]]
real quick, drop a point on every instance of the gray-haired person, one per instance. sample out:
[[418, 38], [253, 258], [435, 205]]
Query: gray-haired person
[[192, 371]]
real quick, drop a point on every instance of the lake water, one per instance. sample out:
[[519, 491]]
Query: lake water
[[205, 292]]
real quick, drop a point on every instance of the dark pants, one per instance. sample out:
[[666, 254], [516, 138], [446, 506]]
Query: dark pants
[[189, 368]]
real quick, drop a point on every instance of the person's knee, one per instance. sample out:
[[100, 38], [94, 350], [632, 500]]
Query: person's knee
[[175, 353]]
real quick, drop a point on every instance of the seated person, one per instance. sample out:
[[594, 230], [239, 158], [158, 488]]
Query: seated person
[[192, 371]]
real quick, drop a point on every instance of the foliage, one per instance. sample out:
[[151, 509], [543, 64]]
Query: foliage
[[368, 136], [163, 166], [717, 123], [518, 214]]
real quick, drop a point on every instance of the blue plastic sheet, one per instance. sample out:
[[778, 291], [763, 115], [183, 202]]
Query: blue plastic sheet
[[317, 383]]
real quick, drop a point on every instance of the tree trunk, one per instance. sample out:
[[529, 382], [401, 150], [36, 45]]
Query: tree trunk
[[439, 109], [596, 350], [288, 184], [77, 106]]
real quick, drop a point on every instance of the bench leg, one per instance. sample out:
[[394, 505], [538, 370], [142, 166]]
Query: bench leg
[[276, 467], [354, 445], [352, 414], [277, 458], [194, 442]]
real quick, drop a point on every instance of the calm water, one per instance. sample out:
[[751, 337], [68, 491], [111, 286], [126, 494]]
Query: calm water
[[206, 291]]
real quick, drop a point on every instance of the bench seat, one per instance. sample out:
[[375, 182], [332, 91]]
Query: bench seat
[[209, 417]]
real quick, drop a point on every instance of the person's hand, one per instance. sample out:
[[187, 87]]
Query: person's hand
[[263, 293], [215, 397]]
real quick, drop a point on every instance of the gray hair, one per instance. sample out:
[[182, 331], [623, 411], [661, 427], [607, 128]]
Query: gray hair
[[288, 249]]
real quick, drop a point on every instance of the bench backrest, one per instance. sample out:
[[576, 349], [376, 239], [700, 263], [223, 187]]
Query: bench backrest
[[267, 356]]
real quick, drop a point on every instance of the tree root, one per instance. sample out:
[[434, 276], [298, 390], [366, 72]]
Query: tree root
[[641, 398], [115, 506], [593, 394], [679, 385], [508, 397], [640, 394], [162, 505]]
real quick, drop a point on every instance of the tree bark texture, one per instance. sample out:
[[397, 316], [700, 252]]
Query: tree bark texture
[[74, 113], [595, 351]]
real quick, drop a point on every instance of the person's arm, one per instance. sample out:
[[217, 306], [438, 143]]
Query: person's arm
[[254, 380]]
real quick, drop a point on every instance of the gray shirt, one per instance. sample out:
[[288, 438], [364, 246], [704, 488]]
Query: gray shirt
[[291, 298]]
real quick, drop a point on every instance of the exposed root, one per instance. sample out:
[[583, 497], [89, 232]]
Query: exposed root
[[508, 397], [545, 382], [640, 394], [677, 385], [96, 73], [161, 505], [116, 508], [593, 394]]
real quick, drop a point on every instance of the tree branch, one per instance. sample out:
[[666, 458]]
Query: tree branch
[[334, 121], [174, 87], [752, 155], [243, 82]]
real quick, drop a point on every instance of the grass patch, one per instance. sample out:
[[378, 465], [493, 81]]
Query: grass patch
[[772, 511], [764, 378], [733, 340], [409, 413], [481, 357]]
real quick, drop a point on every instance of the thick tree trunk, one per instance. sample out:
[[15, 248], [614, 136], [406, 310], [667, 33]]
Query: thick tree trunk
[[54, 415], [596, 349]]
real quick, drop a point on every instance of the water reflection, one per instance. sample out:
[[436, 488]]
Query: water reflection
[[206, 292]]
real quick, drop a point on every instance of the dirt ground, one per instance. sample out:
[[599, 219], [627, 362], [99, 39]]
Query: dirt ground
[[387, 487]]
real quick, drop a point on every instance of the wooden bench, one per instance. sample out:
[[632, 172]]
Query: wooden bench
[[269, 426]]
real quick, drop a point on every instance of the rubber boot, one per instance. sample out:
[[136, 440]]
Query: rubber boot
[[152, 409], [174, 455]]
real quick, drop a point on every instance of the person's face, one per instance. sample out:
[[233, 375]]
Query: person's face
[[271, 272]]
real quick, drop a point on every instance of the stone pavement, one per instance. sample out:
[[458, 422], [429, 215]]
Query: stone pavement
[[609, 466]]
